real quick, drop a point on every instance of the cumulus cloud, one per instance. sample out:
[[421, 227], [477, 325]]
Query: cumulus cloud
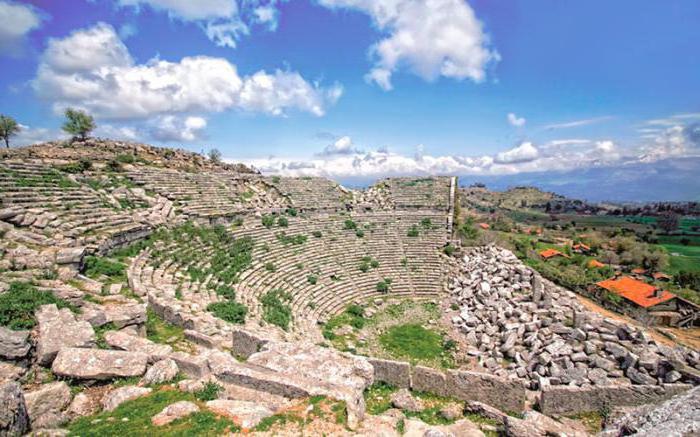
[[92, 69], [172, 128], [342, 146], [675, 141], [523, 153], [431, 38], [29, 135], [515, 120], [17, 21]]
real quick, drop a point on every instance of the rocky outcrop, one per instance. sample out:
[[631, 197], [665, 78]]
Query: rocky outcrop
[[46, 405], [521, 326], [58, 329], [98, 364], [14, 345], [14, 419], [404, 400]]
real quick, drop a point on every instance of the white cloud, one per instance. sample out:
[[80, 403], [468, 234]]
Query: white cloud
[[577, 123], [342, 146], [675, 141], [127, 30], [171, 128], [515, 121], [431, 38], [525, 152], [568, 142], [17, 21], [33, 135], [92, 69], [223, 21]]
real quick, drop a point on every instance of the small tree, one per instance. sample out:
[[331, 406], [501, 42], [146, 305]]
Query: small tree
[[8, 128], [78, 123], [215, 155], [668, 222]]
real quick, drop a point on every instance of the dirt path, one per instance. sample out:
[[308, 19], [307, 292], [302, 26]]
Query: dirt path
[[687, 337]]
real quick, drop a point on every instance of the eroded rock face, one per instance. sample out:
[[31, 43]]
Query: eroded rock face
[[98, 364], [14, 345], [46, 405], [245, 414], [14, 419], [58, 329], [173, 412], [123, 394]]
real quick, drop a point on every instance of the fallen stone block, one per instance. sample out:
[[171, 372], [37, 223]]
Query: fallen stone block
[[245, 414], [123, 394], [173, 412], [58, 329], [123, 341], [162, 371], [14, 345], [46, 405], [98, 364], [14, 419]]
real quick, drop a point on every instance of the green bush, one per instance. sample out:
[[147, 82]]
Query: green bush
[[449, 250], [275, 308], [374, 263], [268, 221], [114, 166], [270, 267], [426, 223], [413, 231], [383, 287], [360, 233], [80, 166], [283, 222], [126, 158], [229, 311], [350, 225], [276, 179], [292, 212], [96, 267], [210, 392], [226, 292], [364, 267], [317, 234], [312, 279], [18, 304]]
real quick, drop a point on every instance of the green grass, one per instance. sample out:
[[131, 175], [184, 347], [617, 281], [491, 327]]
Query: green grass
[[18, 304], [378, 400], [412, 341], [96, 267], [683, 257], [133, 418], [160, 331]]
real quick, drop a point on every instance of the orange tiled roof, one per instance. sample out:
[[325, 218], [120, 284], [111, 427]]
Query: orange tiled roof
[[635, 291], [659, 275], [549, 253], [595, 263], [581, 246], [484, 226]]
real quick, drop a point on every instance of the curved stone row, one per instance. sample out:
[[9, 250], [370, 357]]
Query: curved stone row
[[322, 274]]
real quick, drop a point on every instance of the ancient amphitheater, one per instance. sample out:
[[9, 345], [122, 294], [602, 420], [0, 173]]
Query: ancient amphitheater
[[194, 234]]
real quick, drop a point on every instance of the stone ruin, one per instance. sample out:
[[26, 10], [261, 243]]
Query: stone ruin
[[530, 342]]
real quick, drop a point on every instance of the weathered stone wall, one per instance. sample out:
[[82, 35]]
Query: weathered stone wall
[[566, 400], [396, 373], [505, 394]]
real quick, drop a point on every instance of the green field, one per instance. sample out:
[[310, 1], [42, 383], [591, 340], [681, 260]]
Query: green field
[[683, 257]]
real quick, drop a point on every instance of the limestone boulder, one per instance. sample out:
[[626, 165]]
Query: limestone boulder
[[82, 405], [14, 419], [46, 405], [14, 345], [404, 400], [173, 412], [11, 371], [123, 394], [58, 329], [98, 364], [162, 371], [123, 341], [245, 414]]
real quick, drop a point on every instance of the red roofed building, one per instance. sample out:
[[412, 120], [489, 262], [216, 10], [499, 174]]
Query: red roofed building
[[581, 248], [661, 276], [484, 226], [551, 253], [648, 303], [639, 271]]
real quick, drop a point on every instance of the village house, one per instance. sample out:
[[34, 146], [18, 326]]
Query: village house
[[647, 303]]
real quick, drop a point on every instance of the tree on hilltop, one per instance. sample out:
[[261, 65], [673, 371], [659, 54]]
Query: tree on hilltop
[[8, 128], [78, 123], [215, 155]]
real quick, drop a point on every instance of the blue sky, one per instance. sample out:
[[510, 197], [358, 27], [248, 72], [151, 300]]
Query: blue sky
[[366, 88]]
